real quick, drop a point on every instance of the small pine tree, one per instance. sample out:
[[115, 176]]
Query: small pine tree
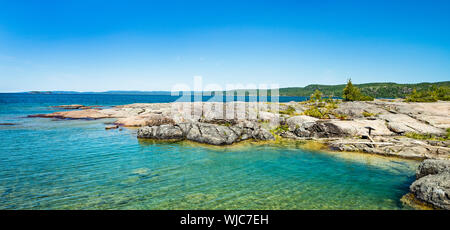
[[352, 93], [316, 96]]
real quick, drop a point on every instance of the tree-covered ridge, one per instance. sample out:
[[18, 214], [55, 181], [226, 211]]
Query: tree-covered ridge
[[377, 90]]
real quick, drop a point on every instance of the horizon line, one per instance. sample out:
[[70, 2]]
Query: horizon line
[[154, 91]]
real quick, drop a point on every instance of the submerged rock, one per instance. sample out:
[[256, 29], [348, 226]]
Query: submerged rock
[[111, 127], [7, 124], [75, 106]]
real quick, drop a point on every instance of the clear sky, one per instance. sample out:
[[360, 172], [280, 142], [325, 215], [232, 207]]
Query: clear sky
[[152, 45]]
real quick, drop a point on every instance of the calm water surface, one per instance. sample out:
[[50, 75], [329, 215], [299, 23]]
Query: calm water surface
[[77, 164]]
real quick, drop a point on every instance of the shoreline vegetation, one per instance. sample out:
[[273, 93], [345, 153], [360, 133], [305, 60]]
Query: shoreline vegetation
[[417, 127]]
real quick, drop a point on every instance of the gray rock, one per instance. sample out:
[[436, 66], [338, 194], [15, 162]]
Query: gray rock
[[272, 118], [401, 123], [355, 109], [319, 130], [357, 127], [433, 189], [298, 121], [207, 133], [399, 128], [431, 167], [439, 143], [212, 134], [161, 132], [158, 119], [262, 134], [185, 127]]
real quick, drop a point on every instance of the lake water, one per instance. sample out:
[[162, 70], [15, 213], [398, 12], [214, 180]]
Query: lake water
[[77, 164]]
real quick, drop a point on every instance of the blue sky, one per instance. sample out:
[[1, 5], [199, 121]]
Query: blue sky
[[152, 45]]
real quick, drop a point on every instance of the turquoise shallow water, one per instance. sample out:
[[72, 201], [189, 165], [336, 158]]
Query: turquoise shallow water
[[77, 164]]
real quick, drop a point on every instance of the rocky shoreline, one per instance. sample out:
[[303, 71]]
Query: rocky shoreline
[[345, 128], [385, 127]]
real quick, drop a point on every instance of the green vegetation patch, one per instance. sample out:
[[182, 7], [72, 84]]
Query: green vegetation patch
[[428, 136], [322, 108], [289, 111], [430, 95], [367, 114], [280, 129]]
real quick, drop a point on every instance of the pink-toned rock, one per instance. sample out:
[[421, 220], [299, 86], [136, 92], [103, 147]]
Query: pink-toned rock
[[74, 114], [144, 120], [135, 121]]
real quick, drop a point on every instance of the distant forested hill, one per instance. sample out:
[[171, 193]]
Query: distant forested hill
[[377, 90]]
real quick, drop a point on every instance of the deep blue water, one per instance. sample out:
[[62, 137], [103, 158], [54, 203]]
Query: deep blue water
[[77, 164]]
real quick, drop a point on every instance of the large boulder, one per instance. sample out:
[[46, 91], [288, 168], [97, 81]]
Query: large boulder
[[433, 189], [262, 134], [319, 130], [269, 117], [213, 134], [164, 132], [431, 167], [298, 121]]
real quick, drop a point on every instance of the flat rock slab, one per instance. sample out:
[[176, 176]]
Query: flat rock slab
[[74, 114], [401, 123], [358, 127]]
